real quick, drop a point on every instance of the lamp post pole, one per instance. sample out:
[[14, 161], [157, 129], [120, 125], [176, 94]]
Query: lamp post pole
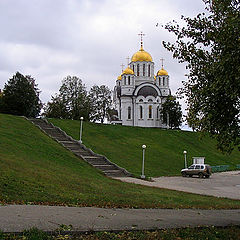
[[167, 120], [185, 158], [81, 123], [143, 148]]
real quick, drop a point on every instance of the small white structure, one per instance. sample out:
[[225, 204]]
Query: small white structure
[[198, 160]]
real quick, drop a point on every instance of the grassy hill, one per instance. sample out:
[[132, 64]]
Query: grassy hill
[[36, 169], [164, 153]]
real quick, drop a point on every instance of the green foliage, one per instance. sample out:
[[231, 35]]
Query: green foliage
[[171, 111], [164, 152], [197, 233], [100, 98], [36, 234], [37, 170], [72, 101], [210, 45], [21, 96]]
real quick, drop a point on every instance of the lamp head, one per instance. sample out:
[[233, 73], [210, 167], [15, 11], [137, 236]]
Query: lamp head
[[185, 152], [144, 146], [81, 118]]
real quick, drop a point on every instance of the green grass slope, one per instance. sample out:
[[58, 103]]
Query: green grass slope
[[36, 169], [164, 153]]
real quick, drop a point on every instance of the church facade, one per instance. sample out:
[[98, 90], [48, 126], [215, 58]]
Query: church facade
[[139, 94]]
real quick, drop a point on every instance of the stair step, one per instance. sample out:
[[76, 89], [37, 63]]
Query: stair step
[[114, 173], [105, 167]]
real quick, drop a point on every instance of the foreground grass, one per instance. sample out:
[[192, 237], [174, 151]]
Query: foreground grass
[[34, 169], [227, 233], [164, 153]]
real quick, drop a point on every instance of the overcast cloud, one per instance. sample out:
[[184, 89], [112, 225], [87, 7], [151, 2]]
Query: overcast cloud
[[50, 39]]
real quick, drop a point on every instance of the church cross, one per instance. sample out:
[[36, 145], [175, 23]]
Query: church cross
[[122, 65], [128, 58], [161, 59], [141, 35]]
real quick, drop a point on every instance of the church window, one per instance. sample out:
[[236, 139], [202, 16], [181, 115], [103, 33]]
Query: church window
[[140, 100], [129, 112], [141, 112], [133, 68], [129, 82], [158, 112], [149, 70], [159, 81], [138, 70], [163, 81], [143, 69], [150, 111], [124, 80]]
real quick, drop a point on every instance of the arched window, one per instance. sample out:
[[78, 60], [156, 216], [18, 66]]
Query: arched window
[[149, 70], [138, 70], [157, 112], [141, 112], [143, 69], [163, 81], [150, 111], [133, 68], [124, 80], [159, 81], [129, 82], [129, 112]]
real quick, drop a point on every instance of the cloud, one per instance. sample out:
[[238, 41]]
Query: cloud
[[87, 38]]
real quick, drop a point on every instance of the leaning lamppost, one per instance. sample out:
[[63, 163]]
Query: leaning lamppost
[[185, 158], [81, 122], [143, 148]]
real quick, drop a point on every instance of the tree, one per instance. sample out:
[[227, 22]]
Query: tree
[[171, 111], [21, 96], [101, 102], [210, 45], [72, 101]]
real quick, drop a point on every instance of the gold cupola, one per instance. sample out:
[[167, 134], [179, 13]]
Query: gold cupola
[[119, 77], [162, 72], [141, 56], [128, 70]]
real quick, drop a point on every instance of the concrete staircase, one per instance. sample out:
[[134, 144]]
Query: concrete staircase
[[98, 161]]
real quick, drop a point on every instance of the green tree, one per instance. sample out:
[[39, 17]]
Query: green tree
[[210, 45], [72, 101], [100, 101], [171, 112], [21, 96]]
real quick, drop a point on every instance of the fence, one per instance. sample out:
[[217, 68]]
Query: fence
[[223, 168]]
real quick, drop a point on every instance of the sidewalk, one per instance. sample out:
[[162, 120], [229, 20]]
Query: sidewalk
[[16, 218]]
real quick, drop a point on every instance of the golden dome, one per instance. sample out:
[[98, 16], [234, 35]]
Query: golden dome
[[154, 77], [119, 77], [162, 72], [141, 55], [128, 70]]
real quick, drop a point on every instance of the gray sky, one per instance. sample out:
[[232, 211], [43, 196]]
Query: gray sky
[[50, 39]]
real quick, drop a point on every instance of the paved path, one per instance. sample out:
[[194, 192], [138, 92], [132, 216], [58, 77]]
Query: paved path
[[225, 184], [16, 218]]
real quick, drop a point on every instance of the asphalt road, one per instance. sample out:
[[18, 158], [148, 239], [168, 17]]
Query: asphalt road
[[16, 218], [225, 184]]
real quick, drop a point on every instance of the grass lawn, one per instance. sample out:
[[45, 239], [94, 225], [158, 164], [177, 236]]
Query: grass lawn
[[36, 169], [199, 233], [164, 153]]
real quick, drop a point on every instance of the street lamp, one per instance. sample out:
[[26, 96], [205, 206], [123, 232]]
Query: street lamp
[[143, 148], [185, 158], [81, 122]]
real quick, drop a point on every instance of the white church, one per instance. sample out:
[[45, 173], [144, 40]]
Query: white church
[[139, 94]]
